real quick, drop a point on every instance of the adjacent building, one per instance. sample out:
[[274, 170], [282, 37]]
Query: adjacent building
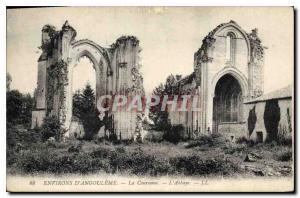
[[227, 78]]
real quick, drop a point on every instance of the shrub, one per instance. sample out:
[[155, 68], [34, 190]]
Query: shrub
[[113, 160], [214, 139], [244, 140], [195, 165], [285, 156], [285, 141], [174, 133], [161, 167], [54, 162], [235, 148], [19, 139], [100, 153], [200, 141], [17, 134], [51, 127]]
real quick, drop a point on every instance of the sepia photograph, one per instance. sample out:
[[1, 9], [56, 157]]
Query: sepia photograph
[[150, 99]]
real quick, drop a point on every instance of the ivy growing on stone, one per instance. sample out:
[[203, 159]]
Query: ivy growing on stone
[[57, 79]]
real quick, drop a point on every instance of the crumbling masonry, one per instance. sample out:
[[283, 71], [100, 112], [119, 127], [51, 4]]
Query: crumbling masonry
[[117, 72]]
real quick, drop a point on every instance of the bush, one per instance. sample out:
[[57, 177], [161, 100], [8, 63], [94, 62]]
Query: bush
[[51, 127], [138, 163], [101, 153], [195, 165], [54, 162], [244, 140], [17, 134], [235, 148], [214, 139], [200, 141], [285, 141], [174, 133], [19, 139], [113, 160], [285, 156]]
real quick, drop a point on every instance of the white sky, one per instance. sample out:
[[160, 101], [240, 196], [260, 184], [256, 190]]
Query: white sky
[[168, 36]]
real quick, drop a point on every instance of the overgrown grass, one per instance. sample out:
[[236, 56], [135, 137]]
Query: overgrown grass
[[207, 140], [115, 159], [284, 155], [207, 155]]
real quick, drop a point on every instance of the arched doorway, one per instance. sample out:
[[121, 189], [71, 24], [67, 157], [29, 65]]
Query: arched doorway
[[84, 121], [97, 65], [228, 102]]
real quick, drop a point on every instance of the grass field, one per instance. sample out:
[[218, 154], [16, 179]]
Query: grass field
[[206, 156]]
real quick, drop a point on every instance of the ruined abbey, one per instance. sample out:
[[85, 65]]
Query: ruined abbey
[[117, 72], [228, 75], [228, 79]]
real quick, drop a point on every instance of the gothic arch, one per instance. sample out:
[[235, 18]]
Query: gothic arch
[[91, 49], [232, 27], [97, 55], [239, 76]]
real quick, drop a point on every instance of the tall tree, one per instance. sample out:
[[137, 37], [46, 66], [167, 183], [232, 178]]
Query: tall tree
[[84, 107], [18, 107], [77, 103], [160, 117]]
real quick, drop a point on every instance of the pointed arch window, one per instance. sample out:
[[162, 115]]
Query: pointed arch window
[[230, 47]]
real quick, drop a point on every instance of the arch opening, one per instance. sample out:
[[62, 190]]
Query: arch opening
[[79, 81], [84, 117], [227, 102]]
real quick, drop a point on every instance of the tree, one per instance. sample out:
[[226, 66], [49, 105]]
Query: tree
[[18, 107], [77, 103], [271, 119], [84, 108], [159, 117], [251, 120]]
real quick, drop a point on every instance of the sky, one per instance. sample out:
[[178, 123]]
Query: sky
[[169, 37]]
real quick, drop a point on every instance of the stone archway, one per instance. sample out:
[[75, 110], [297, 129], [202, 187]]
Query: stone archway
[[227, 102], [95, 54], [116, 67]]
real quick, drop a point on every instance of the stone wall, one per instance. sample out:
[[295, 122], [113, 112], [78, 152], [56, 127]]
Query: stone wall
[[37, 118], [232, 131], [211, 63], [285, 121]]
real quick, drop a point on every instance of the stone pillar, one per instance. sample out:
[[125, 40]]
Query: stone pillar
[[256, 65], [39, 113], [128, 80], [209, 111], [68, 34]]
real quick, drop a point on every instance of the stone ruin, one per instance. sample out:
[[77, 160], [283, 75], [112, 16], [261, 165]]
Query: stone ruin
[[117, 72]]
